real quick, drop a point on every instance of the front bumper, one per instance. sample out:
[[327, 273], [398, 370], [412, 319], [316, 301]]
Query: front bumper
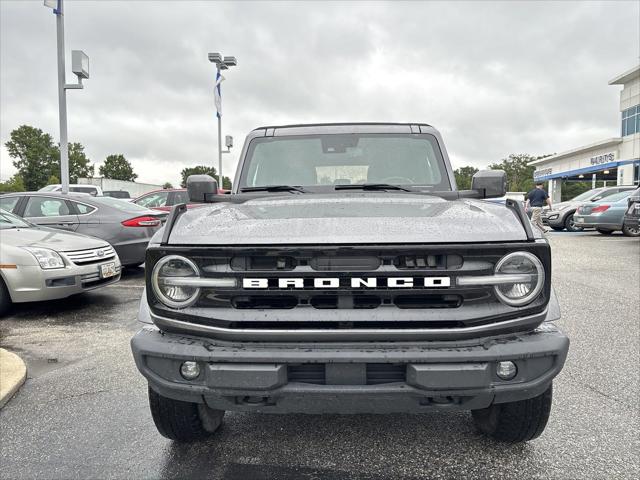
[[266, 377], [33, 284], [553, 218], [632, 221]]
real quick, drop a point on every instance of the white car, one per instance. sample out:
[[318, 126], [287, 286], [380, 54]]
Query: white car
[[40, 263], [93, 190]]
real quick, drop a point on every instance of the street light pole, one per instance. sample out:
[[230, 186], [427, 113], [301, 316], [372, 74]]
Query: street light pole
[[79, 66], [62, 99], [220, 185], [222, 63]]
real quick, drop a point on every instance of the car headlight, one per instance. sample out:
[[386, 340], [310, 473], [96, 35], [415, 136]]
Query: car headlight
[[529, 269], [47, 258], [173, 293]]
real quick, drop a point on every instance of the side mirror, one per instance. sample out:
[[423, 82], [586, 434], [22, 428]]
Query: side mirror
[[201, 187], [490, 183]]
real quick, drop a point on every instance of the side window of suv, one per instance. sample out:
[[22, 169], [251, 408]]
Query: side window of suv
[[8, 203]]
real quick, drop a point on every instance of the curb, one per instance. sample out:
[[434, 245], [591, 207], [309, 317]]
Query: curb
[[13, 373]]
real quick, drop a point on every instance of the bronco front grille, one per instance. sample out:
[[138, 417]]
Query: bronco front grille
[[347, 287]]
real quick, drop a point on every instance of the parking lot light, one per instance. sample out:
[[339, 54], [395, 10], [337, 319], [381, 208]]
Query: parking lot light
[[506, 370], [190, 370]]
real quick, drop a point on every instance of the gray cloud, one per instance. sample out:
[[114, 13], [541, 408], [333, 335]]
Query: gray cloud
[[495, 78]]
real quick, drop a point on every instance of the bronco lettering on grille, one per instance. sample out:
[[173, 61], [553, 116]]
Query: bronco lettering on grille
[[352, 282]]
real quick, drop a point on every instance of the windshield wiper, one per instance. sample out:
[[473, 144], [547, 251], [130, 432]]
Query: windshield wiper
[[372, 186], [274, 188]]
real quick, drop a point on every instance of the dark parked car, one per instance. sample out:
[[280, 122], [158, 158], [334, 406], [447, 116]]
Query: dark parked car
[[126, 226], [632, 215], [561, 215]]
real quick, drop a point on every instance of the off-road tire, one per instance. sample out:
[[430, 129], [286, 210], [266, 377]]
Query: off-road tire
[[631, 232], [5, 298], [603, 231], [570, 225], [515, 422], [183, 421]]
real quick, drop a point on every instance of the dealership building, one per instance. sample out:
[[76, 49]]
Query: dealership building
[[610, 161]]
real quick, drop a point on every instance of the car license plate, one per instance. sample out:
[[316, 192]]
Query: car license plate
[[580, 220], [108, 270]]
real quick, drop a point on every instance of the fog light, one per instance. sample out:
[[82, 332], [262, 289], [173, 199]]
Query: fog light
[[506, 370], [189, 370]]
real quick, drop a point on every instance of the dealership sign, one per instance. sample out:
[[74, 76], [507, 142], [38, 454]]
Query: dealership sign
[[604, 158], [542, 172]]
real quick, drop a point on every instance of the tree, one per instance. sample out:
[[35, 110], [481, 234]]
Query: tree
[[167, 185], [463, 177], [14, 184], [118, 168], [79, 166], [34, 155], [203, 170], [519, 171]]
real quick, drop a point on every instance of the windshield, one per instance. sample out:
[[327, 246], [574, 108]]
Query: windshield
[[328, 160], [9, 220], [586, 195], [121, 205]]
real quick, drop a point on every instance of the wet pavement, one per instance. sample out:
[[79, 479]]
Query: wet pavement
[[83, 411]]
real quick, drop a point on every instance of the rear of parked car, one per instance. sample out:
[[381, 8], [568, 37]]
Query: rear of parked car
[[606, 215], [126, 226], [561, 216]]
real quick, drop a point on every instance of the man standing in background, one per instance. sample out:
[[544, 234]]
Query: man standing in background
[[536, 199]]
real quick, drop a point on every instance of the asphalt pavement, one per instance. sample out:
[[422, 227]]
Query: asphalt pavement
[[83, 412]]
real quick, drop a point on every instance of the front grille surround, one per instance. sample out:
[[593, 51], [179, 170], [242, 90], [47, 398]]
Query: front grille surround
[[360, 308], [91, 255]]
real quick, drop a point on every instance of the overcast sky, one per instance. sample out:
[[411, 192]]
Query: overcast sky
[[495, 78]]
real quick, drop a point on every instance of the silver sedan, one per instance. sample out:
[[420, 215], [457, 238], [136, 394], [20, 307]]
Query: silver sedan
[[39, 263]]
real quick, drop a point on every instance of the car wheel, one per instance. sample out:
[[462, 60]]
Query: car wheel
[[631, 231], [570, 224], [5, 298], [515, 422], [183, 421], [603, 231]]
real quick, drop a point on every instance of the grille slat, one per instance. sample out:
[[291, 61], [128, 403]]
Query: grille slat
[[377, 373], [93, 255]]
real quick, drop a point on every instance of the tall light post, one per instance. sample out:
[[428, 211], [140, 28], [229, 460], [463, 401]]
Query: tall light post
[[79, 66], [222, 63]]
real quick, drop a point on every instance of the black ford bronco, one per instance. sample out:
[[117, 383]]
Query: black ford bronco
[[345, 273]]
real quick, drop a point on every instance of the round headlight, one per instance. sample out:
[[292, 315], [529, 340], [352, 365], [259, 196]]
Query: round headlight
[[530, 268], [166, 285]]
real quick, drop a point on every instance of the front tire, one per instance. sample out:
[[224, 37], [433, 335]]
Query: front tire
[[631, 231], [570, 224], [515, 422], [183, 421], [5, 299]]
